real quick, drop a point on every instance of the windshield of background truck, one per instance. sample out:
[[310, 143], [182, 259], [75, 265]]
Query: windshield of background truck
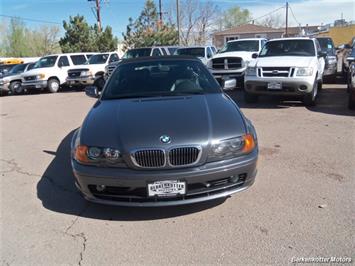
[[48, 61], [241, 46], [98, 59], [137, 53]]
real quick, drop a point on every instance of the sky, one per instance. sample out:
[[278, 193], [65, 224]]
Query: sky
[[116, 12]]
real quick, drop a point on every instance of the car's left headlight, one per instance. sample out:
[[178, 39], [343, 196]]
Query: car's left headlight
[[98, 156], [230, 148], [40, 76], [332, 59], [304, 71], [251, 71], [85, 73]]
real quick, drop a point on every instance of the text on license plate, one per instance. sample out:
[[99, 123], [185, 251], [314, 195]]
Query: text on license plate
[[166, 188], [274, 86]]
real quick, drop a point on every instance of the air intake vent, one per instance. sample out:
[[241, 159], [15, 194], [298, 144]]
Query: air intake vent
[[183, 156]]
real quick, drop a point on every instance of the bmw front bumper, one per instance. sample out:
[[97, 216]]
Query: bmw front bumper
[[128, 187]]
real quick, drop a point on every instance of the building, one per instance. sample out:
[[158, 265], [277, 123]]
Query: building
[[245, 31], [340, 34], [301, 31]]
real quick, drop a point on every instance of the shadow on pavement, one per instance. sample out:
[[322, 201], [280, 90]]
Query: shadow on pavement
[[58, 193], [331, 100]]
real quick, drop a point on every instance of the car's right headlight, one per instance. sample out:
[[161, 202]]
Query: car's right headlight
[[304, 71], [230, 148], [40, 76], [251, 71], [98, 156], [85, 73]]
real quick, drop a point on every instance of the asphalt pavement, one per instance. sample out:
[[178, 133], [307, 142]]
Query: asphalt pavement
[[301, 205]]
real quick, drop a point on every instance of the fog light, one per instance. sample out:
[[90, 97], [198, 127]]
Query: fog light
[[303, 88], [242, 177], [233, 179], [100, 188]]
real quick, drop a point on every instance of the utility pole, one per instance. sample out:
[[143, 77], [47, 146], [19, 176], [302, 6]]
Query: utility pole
[[178, 20], [286, 19], [160, 12], [98, 13]]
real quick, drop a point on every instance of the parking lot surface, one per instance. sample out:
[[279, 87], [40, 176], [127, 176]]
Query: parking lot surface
[[301, 205]]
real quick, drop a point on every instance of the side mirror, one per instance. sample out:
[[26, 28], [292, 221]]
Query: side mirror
[[322, 54], [350, 58], [229, 84], [92, 91], [254, 55]]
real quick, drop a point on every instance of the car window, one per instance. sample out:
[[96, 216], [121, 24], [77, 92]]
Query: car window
[[198, 51], [30, 66], [288, 48], [241, 46], [113, 58], [164, 51], [133, 53], [160, 78], [98, 59], [63, 61], [47, 61], [209, 52], [325, 43], [214, 50], [156, 52], [78, 59], [17, 69], [172, 50], [88, 56]]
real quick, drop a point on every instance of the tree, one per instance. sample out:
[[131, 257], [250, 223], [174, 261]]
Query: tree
[[78, 36], [44, 40], [15, 42], [145, 31], [272, 21], [235, 16]]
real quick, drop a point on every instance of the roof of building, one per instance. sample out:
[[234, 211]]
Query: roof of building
[[248, 28], [296, 30]]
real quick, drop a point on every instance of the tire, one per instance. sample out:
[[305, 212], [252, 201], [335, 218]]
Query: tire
[[16, 88], [99, 83], [310, 98], [53, 85], [250, 98], [320, 86], [351, 103]]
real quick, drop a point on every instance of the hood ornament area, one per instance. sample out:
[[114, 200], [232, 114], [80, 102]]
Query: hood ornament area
[[165, 139]]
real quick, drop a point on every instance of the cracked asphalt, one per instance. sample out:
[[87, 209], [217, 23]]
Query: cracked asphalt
[[302, 204]]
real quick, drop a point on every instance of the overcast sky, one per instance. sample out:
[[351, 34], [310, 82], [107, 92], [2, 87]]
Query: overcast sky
[[117, 12]]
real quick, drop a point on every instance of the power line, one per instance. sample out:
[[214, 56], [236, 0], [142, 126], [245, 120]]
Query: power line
[[31, 19], [267, 14], [293, 15]]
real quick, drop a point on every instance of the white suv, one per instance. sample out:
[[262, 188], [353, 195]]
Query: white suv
[[92, 71], [231, 61], [204, 53], [289, 66], [51, 71]]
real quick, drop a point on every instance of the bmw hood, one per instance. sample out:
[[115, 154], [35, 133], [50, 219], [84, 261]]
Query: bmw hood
[[139, 123]]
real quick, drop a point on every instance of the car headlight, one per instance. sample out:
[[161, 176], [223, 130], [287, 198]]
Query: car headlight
[[230, 148], [4, 81], [304, 71], [85, 73], [40, 76], [98, 156], [251, 71], [332, 59], [209, 63]]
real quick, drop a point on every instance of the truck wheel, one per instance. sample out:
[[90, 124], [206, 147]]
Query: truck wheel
[[250, 98], [53, 85], [16, 88], [351, 104], [99, 83], [310, 98]]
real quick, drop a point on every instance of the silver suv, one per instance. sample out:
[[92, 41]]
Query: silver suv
[[289, 66]]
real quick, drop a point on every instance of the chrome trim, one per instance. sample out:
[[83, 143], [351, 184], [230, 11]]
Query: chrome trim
[[185, 146], [133, 158]]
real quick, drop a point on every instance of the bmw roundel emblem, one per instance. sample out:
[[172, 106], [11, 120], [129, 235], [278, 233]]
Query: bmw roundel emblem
[[165, 139]]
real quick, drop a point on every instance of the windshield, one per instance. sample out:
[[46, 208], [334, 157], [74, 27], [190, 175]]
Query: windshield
[[98, 59], [31, 66], [47, 61], [288, 48], [198, 52], [17, 69], [241, 46], [160, 78], [325, 43], [137, 53]]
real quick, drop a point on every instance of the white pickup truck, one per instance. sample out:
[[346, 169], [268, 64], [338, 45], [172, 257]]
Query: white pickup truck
[[289, 67], [92, 71], [231, 61]]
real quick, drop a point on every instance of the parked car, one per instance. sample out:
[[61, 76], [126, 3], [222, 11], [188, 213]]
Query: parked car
[[351, 79], [11, 82], [231, 61], [163, 133], [291, 66], [91, 71], [5, 68], [204, 53], [51, 71], [141, 52], [331, 60]]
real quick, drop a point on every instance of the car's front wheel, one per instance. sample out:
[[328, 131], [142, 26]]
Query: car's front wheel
[[16, 88], [250, 98], [53, 85], [310, 98]]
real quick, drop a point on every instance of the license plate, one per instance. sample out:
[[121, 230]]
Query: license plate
[[274, 86], [167, 188]]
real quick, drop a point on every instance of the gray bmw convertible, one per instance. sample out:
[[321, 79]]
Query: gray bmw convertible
[[162, 132]]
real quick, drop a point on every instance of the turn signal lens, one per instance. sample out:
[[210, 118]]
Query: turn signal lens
[[249, 143], [81, 152]]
